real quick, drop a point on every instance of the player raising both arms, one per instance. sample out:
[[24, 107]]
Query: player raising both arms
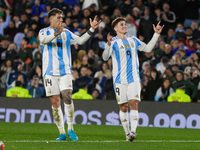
[[55, 43], [123, 50]]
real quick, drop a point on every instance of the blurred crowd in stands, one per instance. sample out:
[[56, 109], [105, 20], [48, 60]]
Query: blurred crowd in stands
[[173, 67]]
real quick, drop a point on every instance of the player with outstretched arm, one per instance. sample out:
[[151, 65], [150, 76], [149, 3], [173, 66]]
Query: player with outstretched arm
[[123, 50], [55, 43]]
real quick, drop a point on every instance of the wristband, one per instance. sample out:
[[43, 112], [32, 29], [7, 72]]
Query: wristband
[[90, 31]]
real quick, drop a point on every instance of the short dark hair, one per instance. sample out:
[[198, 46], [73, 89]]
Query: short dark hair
[[26, 39], [54, 11], [117, 20]]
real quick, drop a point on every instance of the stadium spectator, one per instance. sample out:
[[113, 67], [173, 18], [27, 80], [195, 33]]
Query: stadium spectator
[[12, 76], [16, 21], [84, 79], [77, 63], [36, 89], [3, 49], [95, 94], [167, 17], [190, 88], [82, 93], [11, 52], [191, 12], [170, 35], [108, 88], [162, 65], [151, 90], [98, 36], [10, 31], [145, 28], [196, 32], [18, 91], [6, 68], [25, 52], [164, 91], [179, 31], [125, 7], [179, 95], [4, 23]]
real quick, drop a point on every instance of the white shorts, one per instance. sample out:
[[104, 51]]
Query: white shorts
[[55, 84], [126, 92]]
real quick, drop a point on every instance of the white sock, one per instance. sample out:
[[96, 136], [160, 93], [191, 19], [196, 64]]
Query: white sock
[[134, 120], [69, 112], [58, 117], [124, 120]]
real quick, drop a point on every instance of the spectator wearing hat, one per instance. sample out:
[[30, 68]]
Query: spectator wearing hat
[[179, 95], [191, 89]]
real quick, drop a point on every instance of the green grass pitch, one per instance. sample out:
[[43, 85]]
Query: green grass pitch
[[27, 136]]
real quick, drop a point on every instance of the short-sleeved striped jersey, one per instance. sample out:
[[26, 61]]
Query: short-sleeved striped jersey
[[125, 60], [56, 55]]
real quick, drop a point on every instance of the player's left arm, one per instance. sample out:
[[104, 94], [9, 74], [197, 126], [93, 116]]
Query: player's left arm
[[148, 47], [82, 39]]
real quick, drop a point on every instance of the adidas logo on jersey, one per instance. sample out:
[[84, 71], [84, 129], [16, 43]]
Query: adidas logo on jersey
[[124, 120], [137, 96], [122, 47]]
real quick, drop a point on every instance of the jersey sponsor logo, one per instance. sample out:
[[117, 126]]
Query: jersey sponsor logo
[[127, 46]]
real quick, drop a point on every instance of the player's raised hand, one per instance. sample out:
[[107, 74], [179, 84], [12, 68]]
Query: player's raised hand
[[158, 28], [109, 38], [95, 23], [60, 29]]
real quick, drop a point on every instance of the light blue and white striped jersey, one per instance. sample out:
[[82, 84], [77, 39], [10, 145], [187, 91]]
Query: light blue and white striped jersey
[[124, 53], [56, 55], [125, 60]]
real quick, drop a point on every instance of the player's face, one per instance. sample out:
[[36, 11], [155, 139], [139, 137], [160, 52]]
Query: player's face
[[121, 27], [56, 20]]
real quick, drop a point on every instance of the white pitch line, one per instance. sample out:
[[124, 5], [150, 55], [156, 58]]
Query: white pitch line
[[137, 141]]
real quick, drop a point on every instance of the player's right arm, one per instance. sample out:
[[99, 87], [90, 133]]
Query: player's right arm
[[108, 48], [47, 38], [44, 38]]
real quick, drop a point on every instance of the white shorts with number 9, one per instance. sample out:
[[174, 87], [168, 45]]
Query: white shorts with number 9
[[126, 92], [55, 84]]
